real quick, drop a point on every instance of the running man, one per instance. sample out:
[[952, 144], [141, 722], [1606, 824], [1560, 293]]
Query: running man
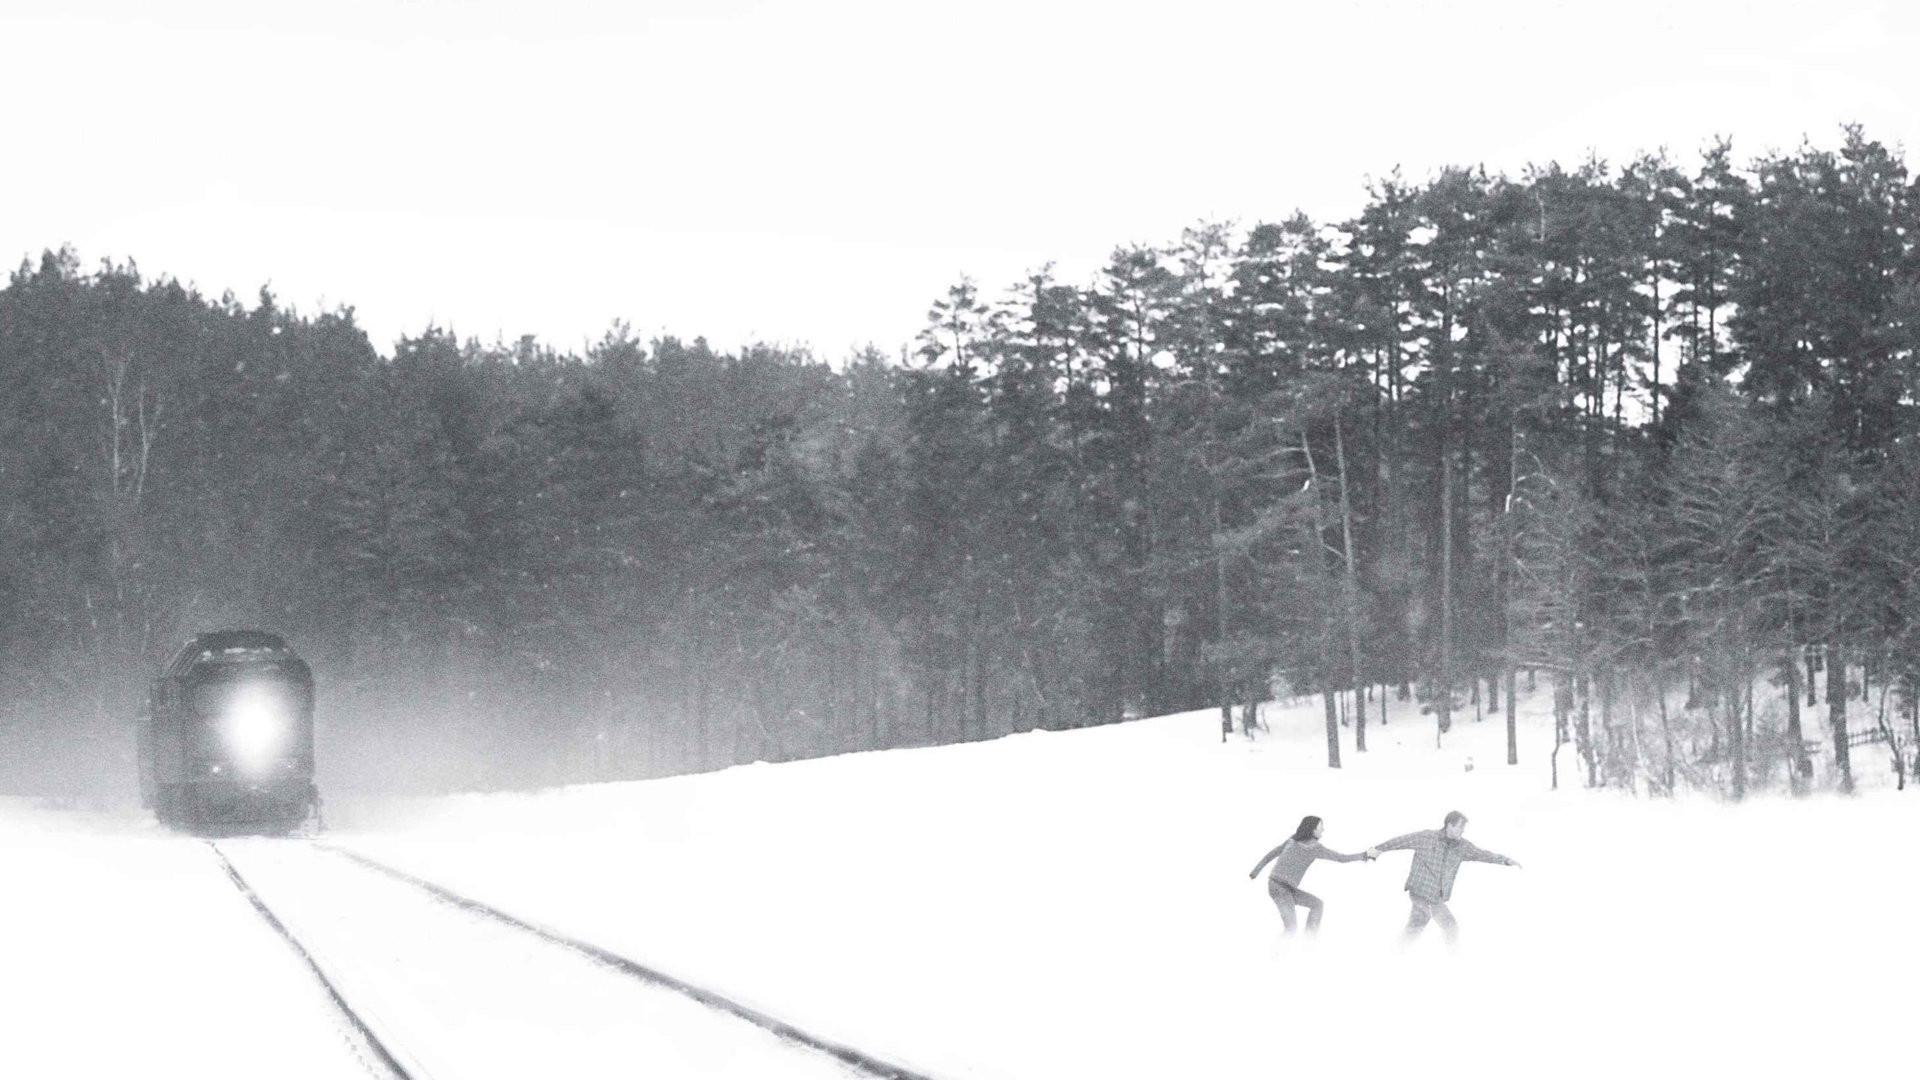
[[1437, 855], [1290, 862]]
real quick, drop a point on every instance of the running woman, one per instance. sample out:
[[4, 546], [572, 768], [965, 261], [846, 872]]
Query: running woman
[[1290, 862]]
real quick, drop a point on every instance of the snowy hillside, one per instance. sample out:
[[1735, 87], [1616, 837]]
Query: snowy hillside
[[1077, 904]]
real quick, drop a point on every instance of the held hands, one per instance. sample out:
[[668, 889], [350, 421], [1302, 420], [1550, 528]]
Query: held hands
[[1372, 853]]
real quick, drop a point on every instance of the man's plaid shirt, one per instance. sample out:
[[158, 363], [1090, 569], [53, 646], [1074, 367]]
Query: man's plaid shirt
[[1436, 859]]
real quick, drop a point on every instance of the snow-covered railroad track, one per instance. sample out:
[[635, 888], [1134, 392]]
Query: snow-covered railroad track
[[866, 1064], [365, 1034], [448, 987]]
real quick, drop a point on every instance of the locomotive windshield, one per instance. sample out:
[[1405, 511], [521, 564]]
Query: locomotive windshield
[[216, 692]]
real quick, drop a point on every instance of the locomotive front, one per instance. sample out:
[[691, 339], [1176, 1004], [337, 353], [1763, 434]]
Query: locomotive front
[[228, 739]]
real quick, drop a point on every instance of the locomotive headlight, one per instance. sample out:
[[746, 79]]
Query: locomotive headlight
[[255, 727]]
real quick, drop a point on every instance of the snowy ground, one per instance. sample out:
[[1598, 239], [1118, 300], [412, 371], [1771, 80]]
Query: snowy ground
[[1059, 904], [452, 995], [127, 953]]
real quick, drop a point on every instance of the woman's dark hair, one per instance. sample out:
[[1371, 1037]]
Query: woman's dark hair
[[1307, 826]]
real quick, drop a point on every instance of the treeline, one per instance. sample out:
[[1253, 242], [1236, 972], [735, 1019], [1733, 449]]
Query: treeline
[[1646, 432], [507, 566]]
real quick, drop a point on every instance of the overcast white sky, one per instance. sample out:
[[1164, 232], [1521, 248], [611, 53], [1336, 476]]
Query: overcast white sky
[[818, 173]]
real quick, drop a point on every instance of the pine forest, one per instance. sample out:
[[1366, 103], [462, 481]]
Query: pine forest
[[1642, 433]]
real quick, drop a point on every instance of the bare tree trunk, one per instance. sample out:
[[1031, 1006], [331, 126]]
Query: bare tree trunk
[[1913, 715], [1633, 742], [1333, 727], [1738, 726], [1653, 389], [1837, 712], [1800, 767], [1513, 743], [1666, 725], [1223, 677], [1315, 547], [1443, 701], [1351, 595], [1562, 706], [1613, 741], [1886, 730], [1583, 727], [122, 633], [1746, 692]]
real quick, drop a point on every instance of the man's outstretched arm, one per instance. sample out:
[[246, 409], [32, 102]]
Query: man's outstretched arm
[[1480, 854]]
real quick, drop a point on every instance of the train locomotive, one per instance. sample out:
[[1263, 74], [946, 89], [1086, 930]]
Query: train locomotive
[[227, 740]]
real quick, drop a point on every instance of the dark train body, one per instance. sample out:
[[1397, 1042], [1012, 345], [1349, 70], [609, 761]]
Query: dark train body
[[227, 740]]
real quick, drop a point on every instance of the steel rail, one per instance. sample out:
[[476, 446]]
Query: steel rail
[[360, 1026], [860, 1059]]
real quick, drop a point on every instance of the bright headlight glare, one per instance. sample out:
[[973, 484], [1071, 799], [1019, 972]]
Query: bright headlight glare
[[255, 726]]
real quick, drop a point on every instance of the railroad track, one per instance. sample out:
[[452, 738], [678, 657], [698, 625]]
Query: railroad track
[[567, 963], [383, 1058]]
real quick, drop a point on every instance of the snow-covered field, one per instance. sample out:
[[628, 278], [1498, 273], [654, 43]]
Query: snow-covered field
[[1062, 904], [125, 952]]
